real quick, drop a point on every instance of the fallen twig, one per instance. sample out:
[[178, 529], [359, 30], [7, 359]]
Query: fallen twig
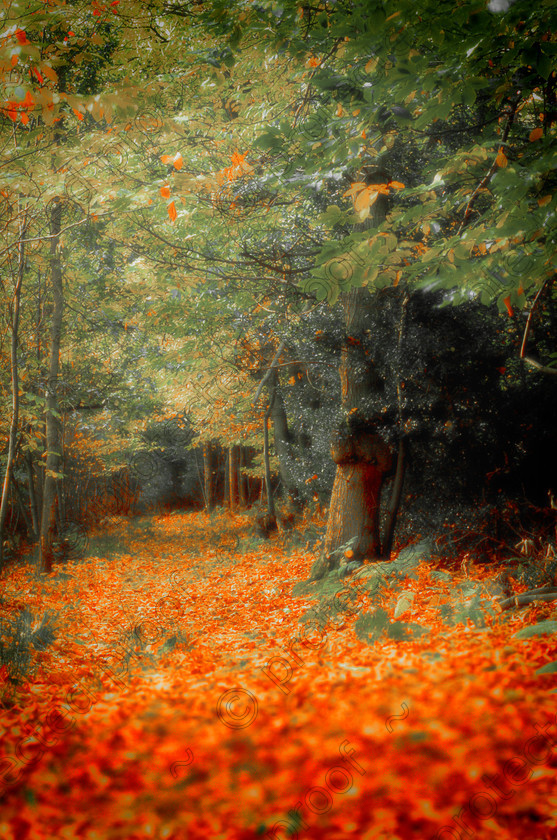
[[545, 593]]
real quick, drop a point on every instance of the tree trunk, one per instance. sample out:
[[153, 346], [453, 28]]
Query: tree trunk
[[242, 483], [32, 495], [394, 501], [233, 477], [15, 383], [363, 459], [53, 429], [22, 507], [270, 500], [266, 523], [282, 438], [209, 475]]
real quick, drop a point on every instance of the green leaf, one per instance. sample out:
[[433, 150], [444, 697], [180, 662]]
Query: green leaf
[[539, 629], [468, 95], [550, 668]]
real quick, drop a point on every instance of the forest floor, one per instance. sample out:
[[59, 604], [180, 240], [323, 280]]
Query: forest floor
[[174, 692]]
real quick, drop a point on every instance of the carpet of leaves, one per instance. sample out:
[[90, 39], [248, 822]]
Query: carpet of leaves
[[153, 715]]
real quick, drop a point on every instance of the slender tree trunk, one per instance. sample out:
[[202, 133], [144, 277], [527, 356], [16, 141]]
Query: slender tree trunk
[[226, 488], [32, 495], [242, 491], [15, 383], [362, 457], [53, 428], [270, 500], [233, 477], [209, 475]]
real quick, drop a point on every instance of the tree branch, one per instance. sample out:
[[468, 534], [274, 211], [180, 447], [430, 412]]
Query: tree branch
[[546, 593], [553, 371], [485, 181]]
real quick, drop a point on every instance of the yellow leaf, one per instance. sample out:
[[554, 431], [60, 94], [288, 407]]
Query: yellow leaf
[[355, 187], [365, 199], [47, 71], [501, 159]]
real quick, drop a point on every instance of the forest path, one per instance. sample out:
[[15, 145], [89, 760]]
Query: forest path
[[183, 698]]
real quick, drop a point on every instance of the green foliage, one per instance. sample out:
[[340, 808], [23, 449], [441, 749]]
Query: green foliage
[[19, 636], [212, 164]]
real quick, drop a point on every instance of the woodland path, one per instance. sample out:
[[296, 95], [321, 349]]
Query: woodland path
[[196, 711]]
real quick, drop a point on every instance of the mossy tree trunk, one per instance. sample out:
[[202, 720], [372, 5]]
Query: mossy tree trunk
[[362, 457]]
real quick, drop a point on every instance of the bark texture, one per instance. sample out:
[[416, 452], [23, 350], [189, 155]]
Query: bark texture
[[363, 459]]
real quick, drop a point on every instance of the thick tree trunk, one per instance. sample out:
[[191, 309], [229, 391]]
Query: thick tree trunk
[[53, 428], [363, 459]]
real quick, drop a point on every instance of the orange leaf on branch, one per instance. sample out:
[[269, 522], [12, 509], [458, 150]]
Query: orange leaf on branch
[[507, 302]]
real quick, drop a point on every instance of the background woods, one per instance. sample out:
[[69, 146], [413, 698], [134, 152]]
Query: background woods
[[364, 187], [278, 451]]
